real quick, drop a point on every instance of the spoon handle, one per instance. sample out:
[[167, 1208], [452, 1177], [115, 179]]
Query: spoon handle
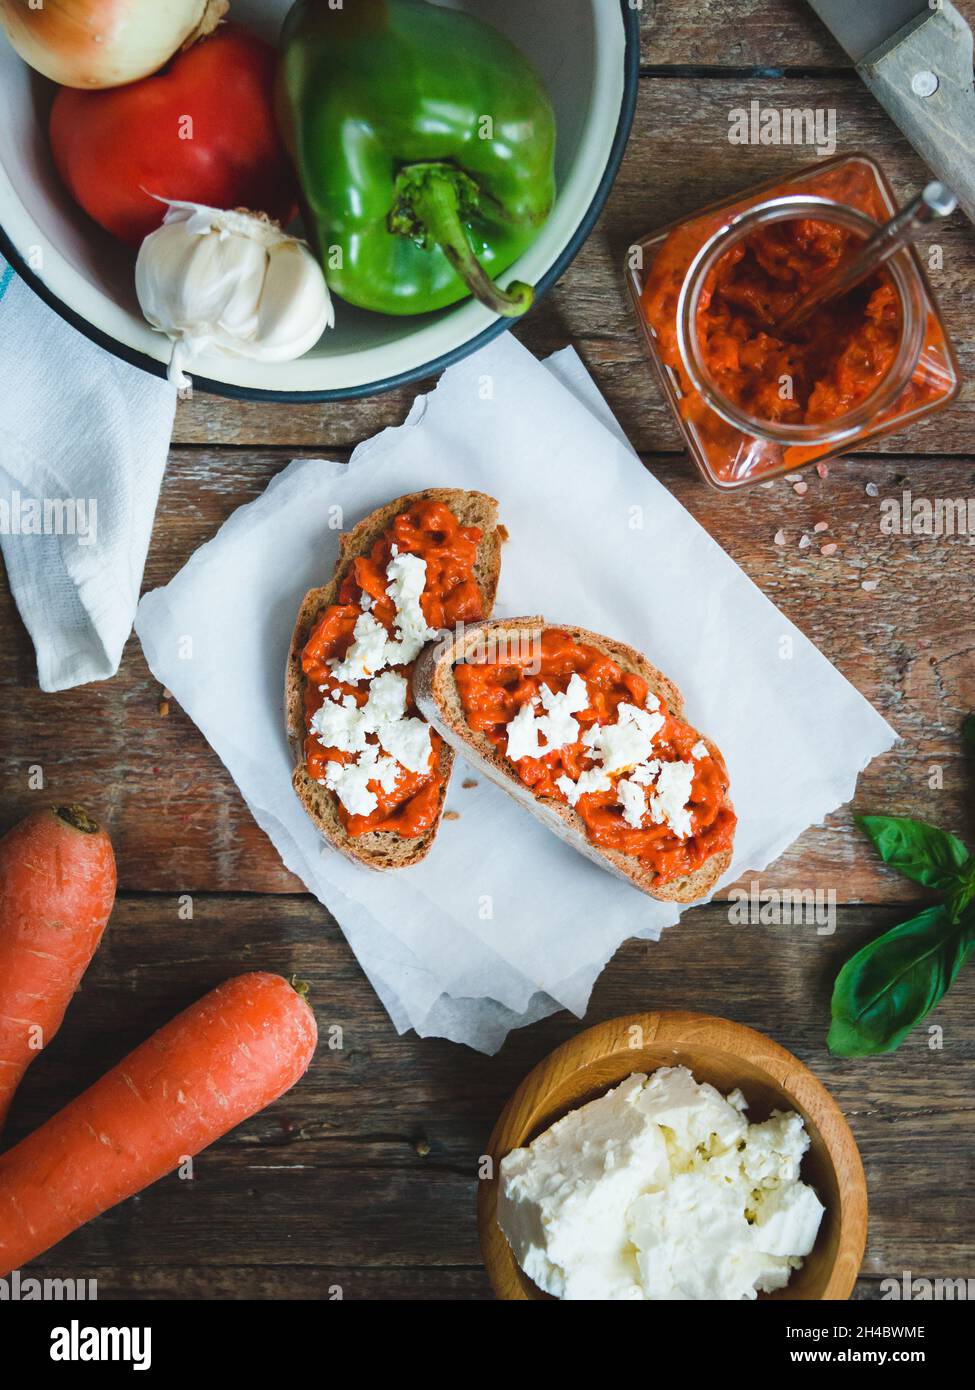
[[936, 200]]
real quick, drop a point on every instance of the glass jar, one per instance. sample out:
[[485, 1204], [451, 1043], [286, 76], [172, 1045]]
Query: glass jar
[[708, 291]]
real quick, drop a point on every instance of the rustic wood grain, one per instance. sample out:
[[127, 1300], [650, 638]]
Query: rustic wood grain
[[771, 35], [178, 820], [365, 1174], [736, 34], [678, 160]]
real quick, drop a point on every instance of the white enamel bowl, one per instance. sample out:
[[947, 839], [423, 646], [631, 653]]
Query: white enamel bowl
[[588, 53]]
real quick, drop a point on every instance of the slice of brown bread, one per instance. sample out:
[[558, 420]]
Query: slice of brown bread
[[438, 699], [380, 849]]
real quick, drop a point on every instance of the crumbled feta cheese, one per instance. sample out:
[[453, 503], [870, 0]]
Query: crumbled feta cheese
[[644, 773], [522, 735], [700, 750], [343, 726], [633, 799], [646, 1193], [775, 1150], [387, 700], [628, 741], [787, 1220], [595, 780], [560, 1200], [652, 701], [366, 655], [557, 725], [648, 722], [620, 746], [671, 793], [366, 602], [408, 741], [385, 771], [407, 575], [349, 782]]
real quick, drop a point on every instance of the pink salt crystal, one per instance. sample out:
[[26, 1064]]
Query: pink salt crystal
[[822, 469], [800, 488], [830, 549], [779, 538], [821, 526]]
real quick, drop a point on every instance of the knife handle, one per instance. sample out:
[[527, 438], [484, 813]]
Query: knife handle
[[941, 125]]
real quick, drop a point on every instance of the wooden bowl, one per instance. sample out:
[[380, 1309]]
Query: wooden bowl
[[727, 1055]]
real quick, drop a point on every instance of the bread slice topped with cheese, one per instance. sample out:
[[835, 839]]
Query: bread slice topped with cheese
[[369, 771], [590, 738]]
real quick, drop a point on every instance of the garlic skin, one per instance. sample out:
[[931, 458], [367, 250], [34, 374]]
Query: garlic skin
[[230, 283]]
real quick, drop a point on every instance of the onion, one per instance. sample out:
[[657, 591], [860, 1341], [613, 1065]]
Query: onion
[[105, 43]]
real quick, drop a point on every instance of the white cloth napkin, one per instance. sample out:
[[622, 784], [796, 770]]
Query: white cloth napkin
[[502, 924], [83, 444]]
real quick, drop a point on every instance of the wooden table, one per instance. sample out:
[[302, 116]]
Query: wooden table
[[364, 1178]]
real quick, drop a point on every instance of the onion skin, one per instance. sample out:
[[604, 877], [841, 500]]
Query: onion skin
[[105, 43]]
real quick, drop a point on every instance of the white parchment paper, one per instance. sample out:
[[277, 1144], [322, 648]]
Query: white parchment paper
[[502, 924]]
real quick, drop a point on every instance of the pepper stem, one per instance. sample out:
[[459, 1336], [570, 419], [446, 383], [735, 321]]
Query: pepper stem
[[432, 201]]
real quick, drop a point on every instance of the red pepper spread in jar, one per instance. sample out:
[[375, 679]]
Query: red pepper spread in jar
[[826, 368], [830, 363], [493, 693], [429, 530]]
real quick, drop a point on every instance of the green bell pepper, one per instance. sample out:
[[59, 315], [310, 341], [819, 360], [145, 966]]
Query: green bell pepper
[[424, 143]]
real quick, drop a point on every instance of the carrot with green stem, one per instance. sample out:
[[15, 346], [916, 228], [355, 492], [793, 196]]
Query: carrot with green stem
[[212, 1067], [57, 889]]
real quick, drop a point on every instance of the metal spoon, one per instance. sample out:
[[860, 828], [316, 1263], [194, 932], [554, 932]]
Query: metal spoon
[[936, 200]]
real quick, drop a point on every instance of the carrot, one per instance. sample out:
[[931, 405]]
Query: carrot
[[216, 1064], [57, 888]]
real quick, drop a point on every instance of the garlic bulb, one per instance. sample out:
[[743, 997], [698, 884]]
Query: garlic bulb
[[104, 43], [232, 283]]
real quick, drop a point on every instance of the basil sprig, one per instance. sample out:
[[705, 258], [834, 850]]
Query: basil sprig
[[893, 982]]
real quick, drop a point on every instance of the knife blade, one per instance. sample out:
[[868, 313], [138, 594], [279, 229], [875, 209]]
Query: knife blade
[[916, 58], [860, 26]]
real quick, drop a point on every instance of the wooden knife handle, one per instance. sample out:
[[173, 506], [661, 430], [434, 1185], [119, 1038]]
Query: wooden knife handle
[[940, 126]]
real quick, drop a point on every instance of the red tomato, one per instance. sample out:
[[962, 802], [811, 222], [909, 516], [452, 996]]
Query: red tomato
[[201, 130]]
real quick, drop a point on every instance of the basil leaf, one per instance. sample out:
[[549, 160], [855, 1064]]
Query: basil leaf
[[968, 730], [917, 850], [893, 982]]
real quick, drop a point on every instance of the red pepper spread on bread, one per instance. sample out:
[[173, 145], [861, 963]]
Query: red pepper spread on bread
[[384, 763], [579, 729]]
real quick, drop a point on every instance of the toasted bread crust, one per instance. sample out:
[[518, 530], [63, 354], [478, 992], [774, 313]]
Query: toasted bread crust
[[380, 849], [437, 697]]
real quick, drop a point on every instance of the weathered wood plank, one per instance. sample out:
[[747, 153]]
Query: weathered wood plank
[[366, 1171], [678, 160], [736, 34], [178, 820], [767, 34]]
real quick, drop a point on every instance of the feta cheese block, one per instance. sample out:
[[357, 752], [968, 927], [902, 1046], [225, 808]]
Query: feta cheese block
[[660, 1189]]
